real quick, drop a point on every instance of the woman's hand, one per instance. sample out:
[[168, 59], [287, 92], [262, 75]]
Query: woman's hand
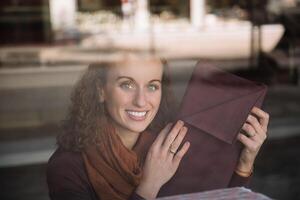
[[163, 159], [256, 127]]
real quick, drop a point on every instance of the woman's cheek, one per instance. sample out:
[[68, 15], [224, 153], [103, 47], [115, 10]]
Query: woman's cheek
[[156, 99]]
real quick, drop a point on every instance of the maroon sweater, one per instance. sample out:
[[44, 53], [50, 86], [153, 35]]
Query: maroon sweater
[[68, 179]]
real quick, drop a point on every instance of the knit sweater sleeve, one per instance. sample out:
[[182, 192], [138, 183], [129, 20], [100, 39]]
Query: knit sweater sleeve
[[239, 181], [135, 196]]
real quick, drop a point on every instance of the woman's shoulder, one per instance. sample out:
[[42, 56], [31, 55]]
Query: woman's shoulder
[[67, 178], [62, 158], [66, 163], [66, 170]]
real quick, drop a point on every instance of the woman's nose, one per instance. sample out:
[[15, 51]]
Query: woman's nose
[[140, 99]]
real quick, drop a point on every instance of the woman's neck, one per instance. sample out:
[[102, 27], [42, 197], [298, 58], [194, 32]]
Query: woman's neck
[[128, 138]]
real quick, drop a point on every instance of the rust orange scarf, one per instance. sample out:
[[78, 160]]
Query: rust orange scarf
[[114, 170]]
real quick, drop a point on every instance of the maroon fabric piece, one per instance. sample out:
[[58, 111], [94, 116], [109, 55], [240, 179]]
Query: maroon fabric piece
[[214, 108]]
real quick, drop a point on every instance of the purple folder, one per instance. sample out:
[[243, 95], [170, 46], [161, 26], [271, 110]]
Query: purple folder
[[214, 108]]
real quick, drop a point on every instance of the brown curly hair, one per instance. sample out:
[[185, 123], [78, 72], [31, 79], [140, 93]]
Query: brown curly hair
[[87, 117]]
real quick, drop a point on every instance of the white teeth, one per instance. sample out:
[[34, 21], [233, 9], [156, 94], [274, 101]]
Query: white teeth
[[137, 114]]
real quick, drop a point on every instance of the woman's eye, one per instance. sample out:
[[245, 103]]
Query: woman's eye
[[127, 85], [153, 87]]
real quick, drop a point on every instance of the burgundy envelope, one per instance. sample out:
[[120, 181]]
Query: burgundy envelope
[[214, 108]]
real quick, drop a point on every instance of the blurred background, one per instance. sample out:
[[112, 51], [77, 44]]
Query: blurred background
[[47, 44]]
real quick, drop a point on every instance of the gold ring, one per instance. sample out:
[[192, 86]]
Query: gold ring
[[172, 151], [252, 135]]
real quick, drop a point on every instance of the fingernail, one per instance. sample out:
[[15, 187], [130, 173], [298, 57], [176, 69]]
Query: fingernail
[[169, 125], [180, 122]]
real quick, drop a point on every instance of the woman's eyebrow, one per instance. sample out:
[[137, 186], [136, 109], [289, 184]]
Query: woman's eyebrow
[[155, 80], [120, 77], [127, 77]]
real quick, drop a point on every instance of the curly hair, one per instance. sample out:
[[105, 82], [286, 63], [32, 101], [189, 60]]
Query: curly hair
[[87, 117]]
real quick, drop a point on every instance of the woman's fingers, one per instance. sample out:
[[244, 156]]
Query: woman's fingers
[[172, 135], [263, 117], [176, 143], [256, 129], [250, 131], [260, 131], [162, 135], [251, 145], [179, 155], [253, 121]]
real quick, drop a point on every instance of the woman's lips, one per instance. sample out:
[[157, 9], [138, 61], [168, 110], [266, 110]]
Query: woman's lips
[[137, 115]]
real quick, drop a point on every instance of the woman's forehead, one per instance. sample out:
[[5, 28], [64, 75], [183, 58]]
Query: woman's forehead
[[137, 69]]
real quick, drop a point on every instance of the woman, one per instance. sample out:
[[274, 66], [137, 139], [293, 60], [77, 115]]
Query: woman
[[112, 147]]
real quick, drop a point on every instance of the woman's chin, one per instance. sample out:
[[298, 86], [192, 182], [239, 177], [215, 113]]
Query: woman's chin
[[138, 125], [138, 128]]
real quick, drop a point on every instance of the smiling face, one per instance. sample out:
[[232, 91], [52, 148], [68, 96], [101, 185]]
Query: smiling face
[[132, 94]]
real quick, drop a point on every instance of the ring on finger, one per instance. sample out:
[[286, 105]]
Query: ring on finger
[[172, 150], [252, 135]]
